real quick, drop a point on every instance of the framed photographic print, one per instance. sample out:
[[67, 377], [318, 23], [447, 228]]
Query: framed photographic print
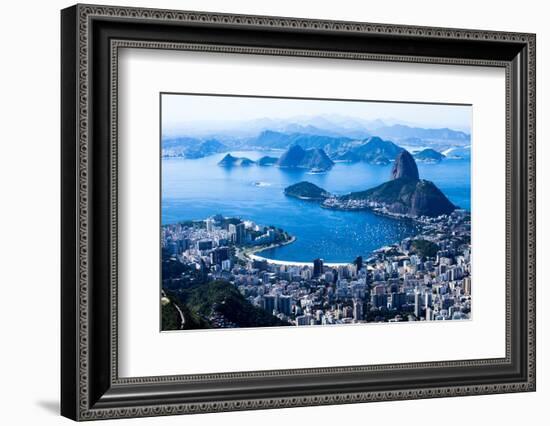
[[263, 212]]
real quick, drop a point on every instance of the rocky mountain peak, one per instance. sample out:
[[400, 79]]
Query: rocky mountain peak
[[404, 167], [297, 157]]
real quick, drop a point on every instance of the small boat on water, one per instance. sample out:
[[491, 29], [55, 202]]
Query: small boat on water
[[316, 171]]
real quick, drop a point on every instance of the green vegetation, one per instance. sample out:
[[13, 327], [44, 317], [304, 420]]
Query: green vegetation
[[424, 248], [220, 298], [306, 190], [409, 196], [397, 190], [281, 236], [176, 275], [170, 317]]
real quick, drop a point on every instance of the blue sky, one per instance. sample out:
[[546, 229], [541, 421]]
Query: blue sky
[[192, 113]]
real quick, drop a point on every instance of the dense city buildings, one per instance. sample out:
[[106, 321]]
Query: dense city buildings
[[422, 278]]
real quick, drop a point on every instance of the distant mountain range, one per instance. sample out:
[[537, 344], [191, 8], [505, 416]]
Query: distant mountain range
[[323, 124], [373, 150], [269, 139], [192, 148], [326, 124], [401, 132], [345, 141]]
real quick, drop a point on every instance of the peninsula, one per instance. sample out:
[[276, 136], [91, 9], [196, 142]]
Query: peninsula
[[404, 195]]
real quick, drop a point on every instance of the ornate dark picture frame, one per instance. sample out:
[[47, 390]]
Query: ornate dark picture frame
[[91, 36]]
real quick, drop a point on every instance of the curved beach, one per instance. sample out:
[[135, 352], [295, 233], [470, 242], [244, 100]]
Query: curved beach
[[251, 254]]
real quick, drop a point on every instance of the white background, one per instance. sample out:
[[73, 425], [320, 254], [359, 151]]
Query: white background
[[141, 345], [29, 225]]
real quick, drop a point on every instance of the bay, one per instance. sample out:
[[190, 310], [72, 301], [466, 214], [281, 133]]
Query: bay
[[199, 188]]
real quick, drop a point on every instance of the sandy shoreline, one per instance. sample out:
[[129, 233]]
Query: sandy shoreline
[[292, 263], [252, 256]]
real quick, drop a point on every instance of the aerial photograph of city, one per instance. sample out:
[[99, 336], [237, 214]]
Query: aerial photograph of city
[[293, 212]]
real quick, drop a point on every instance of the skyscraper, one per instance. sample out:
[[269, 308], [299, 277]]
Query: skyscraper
[[270, 303], [357, 310], [219, 255], [205, 245], [428, 300], [467, 286], [334, 275], [429, 314], [417, 303], [285, 305], [347, 312], [237, 232], [226, 265], [240, 231], [379, 300], [398, 300], [317, 268], [209, 224]]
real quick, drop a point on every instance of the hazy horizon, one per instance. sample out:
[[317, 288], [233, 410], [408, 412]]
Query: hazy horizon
[[193, 115]]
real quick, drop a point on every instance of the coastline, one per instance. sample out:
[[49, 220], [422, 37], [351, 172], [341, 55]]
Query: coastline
[[303, 198], [251, 254], [383, 213]]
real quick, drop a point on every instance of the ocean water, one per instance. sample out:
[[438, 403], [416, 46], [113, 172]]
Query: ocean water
[[196, 189]]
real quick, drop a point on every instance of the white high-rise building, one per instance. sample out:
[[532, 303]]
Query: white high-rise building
[[226, 265], [209, 224]]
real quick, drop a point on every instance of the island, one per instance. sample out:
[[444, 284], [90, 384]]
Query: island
[[267, 161], [295, 157], [429, 155], [230, 161], [404, 195], [307, 191]]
